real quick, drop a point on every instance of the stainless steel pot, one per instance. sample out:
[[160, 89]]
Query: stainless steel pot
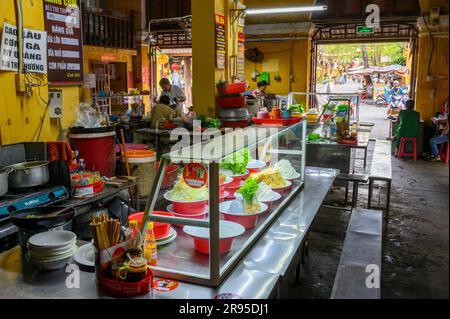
[[29, 174], [3, 181], [238, 114]]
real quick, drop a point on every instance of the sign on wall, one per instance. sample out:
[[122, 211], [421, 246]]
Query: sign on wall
[[34, 50], [241, 56], [221, 52], [62, 20]]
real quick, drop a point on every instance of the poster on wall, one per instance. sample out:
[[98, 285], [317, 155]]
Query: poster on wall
[[34, 50], [220, 41], [62, 20], [241, 56]]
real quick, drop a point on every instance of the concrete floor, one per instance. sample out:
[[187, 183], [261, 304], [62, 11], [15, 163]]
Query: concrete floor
[[416, 238]]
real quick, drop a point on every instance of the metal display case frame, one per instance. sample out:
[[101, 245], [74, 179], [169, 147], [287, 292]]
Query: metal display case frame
[[218, 272]]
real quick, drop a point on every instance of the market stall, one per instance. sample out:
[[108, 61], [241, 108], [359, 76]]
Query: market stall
[[253, 278]]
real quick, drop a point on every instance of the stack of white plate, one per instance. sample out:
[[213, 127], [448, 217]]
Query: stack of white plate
[[53, 249]]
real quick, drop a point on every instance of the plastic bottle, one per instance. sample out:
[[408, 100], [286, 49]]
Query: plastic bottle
[[150, 248], [81, 165], [132, 233]]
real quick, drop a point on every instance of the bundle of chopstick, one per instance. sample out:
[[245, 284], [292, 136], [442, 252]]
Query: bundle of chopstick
[[105, 231]]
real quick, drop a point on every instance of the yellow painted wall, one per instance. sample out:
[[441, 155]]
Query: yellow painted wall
[[282, 54], [20, 117], [428, 103]]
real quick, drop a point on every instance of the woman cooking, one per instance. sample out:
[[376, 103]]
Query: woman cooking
[[260, 94]]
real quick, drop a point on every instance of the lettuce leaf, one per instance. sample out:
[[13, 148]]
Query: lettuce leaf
[[248, 189]]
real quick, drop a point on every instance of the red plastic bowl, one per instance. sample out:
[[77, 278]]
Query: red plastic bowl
[[231, 190], [170, 175], [234, 88], [254, 170], [161, 230], [169, 126], [282, 190], [247, 222], [232, 102], [202, 245], [189, 208]]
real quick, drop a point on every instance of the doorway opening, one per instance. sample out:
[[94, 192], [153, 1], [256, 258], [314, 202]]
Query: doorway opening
[[379, 73]]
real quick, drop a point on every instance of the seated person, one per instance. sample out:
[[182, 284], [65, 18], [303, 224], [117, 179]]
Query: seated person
[[439, 139], [188, 118], [161, 112], [409, 121]]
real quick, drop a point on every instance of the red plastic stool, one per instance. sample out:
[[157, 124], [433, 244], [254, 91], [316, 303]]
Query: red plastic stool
[[443, 151], [401, 151]]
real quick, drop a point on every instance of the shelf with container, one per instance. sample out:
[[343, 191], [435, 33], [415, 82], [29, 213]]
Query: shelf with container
[[211, 237], [109, 103]]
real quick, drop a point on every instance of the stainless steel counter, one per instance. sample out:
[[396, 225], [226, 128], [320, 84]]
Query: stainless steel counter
[[257, 276]]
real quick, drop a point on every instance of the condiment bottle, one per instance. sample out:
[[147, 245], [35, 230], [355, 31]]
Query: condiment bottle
[[132, 234], [150, 248]]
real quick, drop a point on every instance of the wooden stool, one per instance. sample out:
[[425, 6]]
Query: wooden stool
[[401, 151]]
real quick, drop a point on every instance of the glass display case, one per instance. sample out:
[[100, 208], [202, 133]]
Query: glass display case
[[220, 195]]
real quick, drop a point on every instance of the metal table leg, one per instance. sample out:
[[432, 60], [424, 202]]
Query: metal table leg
[[388, 199], [369, 202], [355, 194], [365, 158]]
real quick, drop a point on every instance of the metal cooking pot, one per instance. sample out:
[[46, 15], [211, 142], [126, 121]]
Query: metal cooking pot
[[3, 181], [238, 114], [29, 174]]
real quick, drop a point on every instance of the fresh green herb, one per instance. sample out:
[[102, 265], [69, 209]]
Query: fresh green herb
[[313, 136], [209, 122], [298, 108], [248, 189], [237, 162]]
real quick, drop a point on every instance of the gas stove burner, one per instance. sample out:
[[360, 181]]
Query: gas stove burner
[[15, 201]]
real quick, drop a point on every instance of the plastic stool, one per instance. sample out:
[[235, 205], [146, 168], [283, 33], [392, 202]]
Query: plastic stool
[[443, 151], [401, 151]]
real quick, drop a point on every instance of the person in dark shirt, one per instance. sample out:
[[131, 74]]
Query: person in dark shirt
[[409, 121]]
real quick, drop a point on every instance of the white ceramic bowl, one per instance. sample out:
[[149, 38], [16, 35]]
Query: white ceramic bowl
[[51, 255], [226, 230], [53, 239], [52, 264]]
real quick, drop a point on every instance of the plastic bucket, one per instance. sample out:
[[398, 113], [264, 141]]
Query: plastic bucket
[[142, 165], [96, 147]]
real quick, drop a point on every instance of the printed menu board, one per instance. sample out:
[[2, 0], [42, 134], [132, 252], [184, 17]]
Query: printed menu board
[[64, 43], [241, 56], [220, 41]]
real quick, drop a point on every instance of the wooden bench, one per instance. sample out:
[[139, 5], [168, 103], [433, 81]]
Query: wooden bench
[[360, 257], [356, 179], [381, 170]]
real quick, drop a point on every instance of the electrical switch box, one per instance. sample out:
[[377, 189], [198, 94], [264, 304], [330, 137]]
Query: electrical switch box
[[55, 98]]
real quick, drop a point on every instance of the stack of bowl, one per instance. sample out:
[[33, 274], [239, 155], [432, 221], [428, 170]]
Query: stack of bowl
[[52, 249], [233, 105]]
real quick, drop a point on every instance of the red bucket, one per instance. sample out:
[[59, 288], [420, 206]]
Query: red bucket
[[247, 221], [96, 147]]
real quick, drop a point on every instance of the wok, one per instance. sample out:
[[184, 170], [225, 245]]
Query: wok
[[29, 219]]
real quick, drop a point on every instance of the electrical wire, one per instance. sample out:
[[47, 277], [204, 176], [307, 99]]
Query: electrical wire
[[34, 81]]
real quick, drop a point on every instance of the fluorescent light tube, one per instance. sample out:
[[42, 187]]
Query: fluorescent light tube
[[285, 10]]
